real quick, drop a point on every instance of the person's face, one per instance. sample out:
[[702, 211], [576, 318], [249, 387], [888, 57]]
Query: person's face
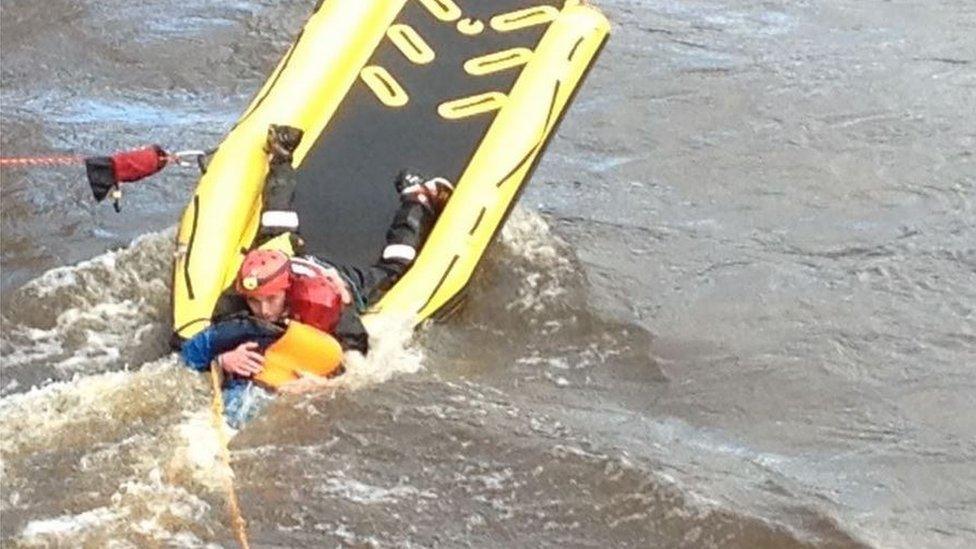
[[268, 307]]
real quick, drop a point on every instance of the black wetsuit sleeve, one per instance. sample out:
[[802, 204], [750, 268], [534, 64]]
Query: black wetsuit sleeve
[[224, 336], [372, 282], [407, 233], [278, 195], [351, 333]]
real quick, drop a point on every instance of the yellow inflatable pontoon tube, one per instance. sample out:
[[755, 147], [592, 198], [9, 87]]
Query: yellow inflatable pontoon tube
[[467, 90]]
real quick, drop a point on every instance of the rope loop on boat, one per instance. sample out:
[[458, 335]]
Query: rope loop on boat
[[186, 159]]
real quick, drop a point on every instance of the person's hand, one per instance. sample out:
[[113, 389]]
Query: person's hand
[[245, 360], [306, 383]]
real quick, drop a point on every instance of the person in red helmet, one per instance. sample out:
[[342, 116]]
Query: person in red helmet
[[276, 287]]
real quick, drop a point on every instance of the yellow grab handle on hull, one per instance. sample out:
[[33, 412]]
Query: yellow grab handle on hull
[[302, 348]]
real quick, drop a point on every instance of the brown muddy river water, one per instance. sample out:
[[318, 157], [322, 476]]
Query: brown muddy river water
[[737, 307]]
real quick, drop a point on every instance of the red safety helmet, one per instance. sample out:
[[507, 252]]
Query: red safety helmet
[[316, 301], [263, 273]]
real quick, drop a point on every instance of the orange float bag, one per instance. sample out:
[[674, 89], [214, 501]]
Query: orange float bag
[[302, 348]]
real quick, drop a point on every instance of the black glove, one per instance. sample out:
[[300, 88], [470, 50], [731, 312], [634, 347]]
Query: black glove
[[282, 142]]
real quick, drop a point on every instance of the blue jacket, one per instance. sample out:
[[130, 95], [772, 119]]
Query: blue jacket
[[225, 335]]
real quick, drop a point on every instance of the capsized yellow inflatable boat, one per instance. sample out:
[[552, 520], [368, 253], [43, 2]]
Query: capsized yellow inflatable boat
[[467, 90]]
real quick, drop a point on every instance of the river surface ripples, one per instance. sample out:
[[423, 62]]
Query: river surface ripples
[[736, 308]]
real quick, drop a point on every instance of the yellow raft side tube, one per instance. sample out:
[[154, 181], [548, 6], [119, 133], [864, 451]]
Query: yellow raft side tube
[[507, 154]]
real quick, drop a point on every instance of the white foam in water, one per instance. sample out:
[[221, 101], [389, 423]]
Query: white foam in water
[[147, 433], [103, 309], [391, 352], [526, 235], [147, 509], [27, 419], [367, 494], [42, 345], [65, 527], [37, 418], [92, 279], [200, 451]]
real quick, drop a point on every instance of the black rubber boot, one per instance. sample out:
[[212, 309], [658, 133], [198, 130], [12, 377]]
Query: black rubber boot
[[407, 178], [282, 142], [279, 186], [430, 193]]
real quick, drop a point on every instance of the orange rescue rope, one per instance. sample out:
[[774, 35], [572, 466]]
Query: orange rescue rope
[[233, 507], [30, 161], [181, 158]]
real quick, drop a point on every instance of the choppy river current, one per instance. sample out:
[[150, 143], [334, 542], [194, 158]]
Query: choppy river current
[[737, 307]]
